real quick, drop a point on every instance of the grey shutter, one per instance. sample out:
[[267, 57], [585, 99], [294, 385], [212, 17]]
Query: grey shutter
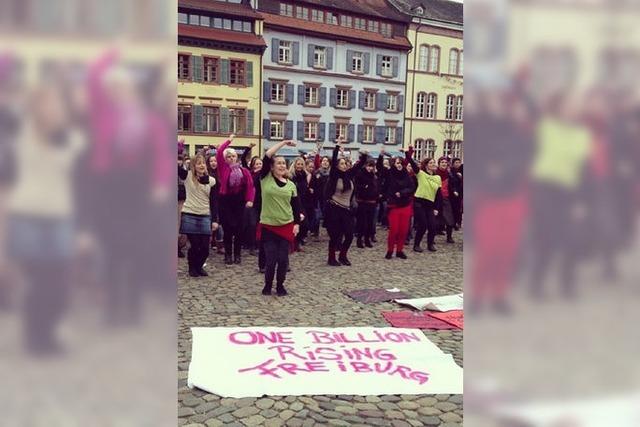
[[301, 94], [198, 111], [352, 99], [192, 66], [361, 96], [321, 132], [249, 66], [266, 92], [349, 64], [399, 136], [381, 101], [275, 47], [379, 65], [300, 131], [329, 53], [288, 129], [224, 120], [367, 62], [394, 65], [332, 131], [351, 129], [250, 122], [198, 64], [224, 71], [332, 97], [401, 103], [360, 133], [266, 128], [379, 134], [296, 53], [323, 96], [310, 52], [289, 95]]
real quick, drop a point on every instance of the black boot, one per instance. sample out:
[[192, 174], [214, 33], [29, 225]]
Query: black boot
[[266, 290], [373, 239], [401, 255], [332, 261], [389, 255], [360, 244], [280, 290], [417, 248], [227, 259], [202, 272], [193, 273], [343, 258], [367, 242], [432, 248], [237, 259]]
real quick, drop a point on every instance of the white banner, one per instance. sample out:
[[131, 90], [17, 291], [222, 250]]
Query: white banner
[[446, 303], [251, 362]]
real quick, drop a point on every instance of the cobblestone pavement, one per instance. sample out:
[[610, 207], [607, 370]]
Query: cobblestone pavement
[[230, 296]]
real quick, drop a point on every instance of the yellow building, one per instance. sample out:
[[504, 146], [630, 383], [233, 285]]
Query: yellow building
[[220, 48], [434, 100]]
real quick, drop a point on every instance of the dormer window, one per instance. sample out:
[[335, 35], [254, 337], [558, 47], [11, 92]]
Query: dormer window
[[419, 10]]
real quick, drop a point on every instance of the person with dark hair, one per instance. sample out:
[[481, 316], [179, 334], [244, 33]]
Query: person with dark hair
[[366, 194], [212, 167], [339, 215], [280, 212], [250, 222], [322, 167], [447, 211], [426, 202], [182, 196], [456, 190], [298, 175]]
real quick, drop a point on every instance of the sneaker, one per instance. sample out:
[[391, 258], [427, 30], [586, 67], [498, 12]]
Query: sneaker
[[401, 255], [202, 273]]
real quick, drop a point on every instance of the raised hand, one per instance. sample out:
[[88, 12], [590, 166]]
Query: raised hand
[[290, 143], [253, 144], [232, 137]]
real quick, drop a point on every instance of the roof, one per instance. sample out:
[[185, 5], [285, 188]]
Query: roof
[[377, 8], [243, 10], [332, 31], [438, 10], [217, 35]]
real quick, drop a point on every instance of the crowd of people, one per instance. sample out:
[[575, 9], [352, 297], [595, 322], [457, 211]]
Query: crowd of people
[[271, 207]]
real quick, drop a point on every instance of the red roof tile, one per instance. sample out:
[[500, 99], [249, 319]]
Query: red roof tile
[[220, 35], [334, 31], [221, 7]]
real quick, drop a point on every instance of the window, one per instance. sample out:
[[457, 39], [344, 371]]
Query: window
[[302, 12], [460, 63], [451, 101], [246, 27], [390, 135], [367, 134], [277, 92], [237, 25], [360, 24], [432, 99], [226, 24], [217, 22], [453, 148], [238, 120], [210, 74], [194, 19], [423, 58], [184, 67], [453, 61], [356, 65], [459, 107], [341, 131], [434, 59], [319, 57], [210, 119], [317, 15], [385, 30], [342, 98], [370, 101], [277, 129], [392, 102], [386, 66], [420, 104], [374, 26], [424, 149], [183, 18], [286, 9], [205, 21], [284, 52], [311, 95], [332, 18], [346, 21], [184, 118], [310, 131], [236, 75]]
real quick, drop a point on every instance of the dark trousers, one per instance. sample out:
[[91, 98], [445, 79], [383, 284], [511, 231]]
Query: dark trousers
[[365, 220], [382, 213], [232, 213], [276, 252], [198, 250], [456, 207], [425, 221], [340, 225], [250, 224]]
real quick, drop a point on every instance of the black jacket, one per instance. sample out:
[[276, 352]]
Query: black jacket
[[367, 187]]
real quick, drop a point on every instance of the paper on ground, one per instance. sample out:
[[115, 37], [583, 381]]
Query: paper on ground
[[445, 303]]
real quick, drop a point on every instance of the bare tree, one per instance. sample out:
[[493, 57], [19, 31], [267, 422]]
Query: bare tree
[[450, 130]]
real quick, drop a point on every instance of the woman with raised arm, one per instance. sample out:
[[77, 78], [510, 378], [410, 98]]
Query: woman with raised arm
[[400, 188], [236, 193], [339, 214], [427, 201], [280, 212]]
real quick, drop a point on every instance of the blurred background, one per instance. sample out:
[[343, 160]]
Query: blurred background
[[552, 105], [87, 213]]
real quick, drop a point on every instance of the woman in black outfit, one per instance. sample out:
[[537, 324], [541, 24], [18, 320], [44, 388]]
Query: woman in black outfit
[[298, 176], [367, 195]]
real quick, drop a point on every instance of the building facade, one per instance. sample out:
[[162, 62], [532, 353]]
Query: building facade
[[334, 71], [434, 101], [220, 47]]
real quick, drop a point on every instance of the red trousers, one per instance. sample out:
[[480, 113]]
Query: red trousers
[[399, 220]]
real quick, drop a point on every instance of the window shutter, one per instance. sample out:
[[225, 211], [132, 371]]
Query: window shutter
[[351, 129], [266, 91], [249, 66], [361, 96], [224, 71], [379, 134], [332, 96], [301, 94], [399, 135], [379, 65], [400, 103], [332, 131], [360, 133], [224, 120], [266, 128], [321, 132], [275, 47], [349, 64], [197, 63], [329, 58], [394, 66], [288, 129], [250, 122], [352, 99], [192, 67], [296, 53], [289, 95], [381, 101], [323, 96], [300, 131], [310, 52], [367, 61], [198, 111]]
